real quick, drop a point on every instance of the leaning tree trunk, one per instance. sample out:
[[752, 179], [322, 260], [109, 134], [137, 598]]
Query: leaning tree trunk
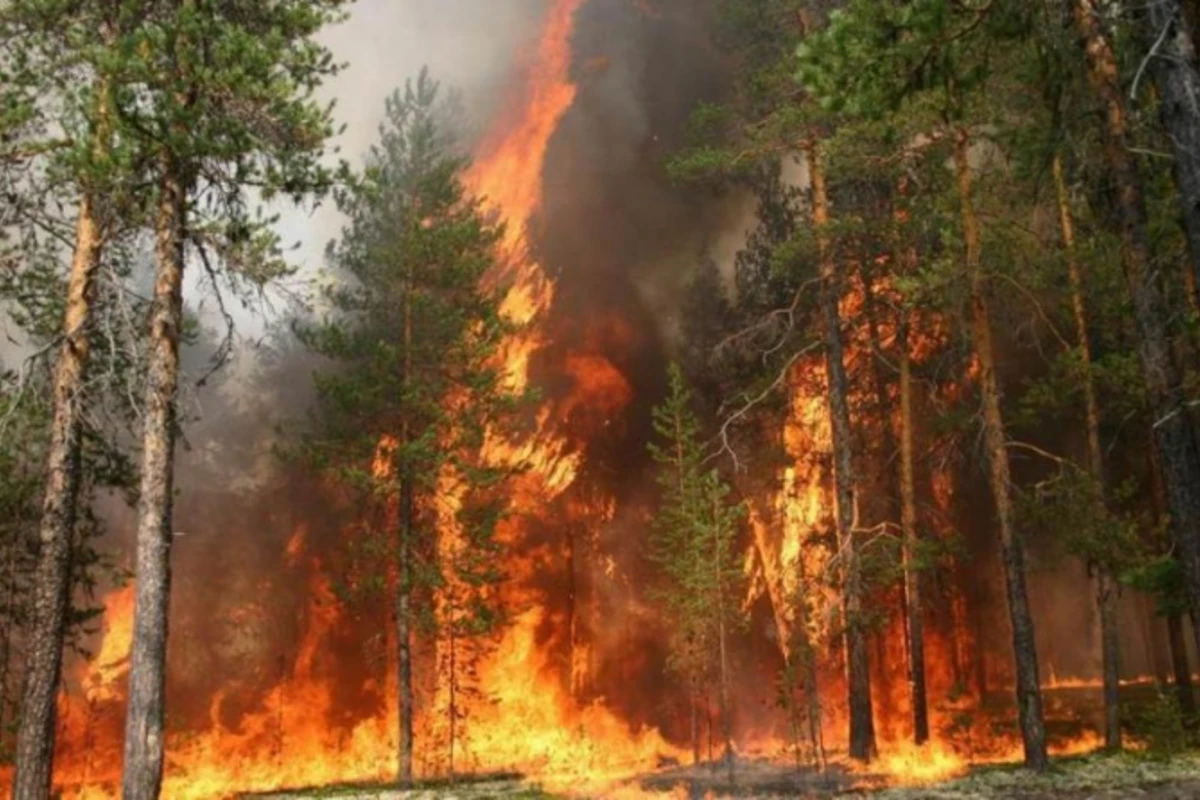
[[1029, 697], [1106, 584], [144, 735], [1173, 51], [862, 726], [51, 584], [1174, 440]]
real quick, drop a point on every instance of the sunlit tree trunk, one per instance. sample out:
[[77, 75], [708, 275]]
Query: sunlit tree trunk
[[144, 734], [1106, 585], [1029, 698], [51, 581], [862, 726], [1174, 439]]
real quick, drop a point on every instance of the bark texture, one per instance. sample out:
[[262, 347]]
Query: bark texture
[[1174, 439], [1173, 53], [1106, 585], [862, 725], [1029, 696], [144, 734], [51, 588]]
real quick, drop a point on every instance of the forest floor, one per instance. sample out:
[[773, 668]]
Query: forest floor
[[1095, 777]]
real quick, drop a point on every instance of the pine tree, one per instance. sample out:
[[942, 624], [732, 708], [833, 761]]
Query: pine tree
[[417, 388], [36, 53], [1174, 438], [746, 142], [218, 101], [930, 57], [1172, 50], [694, 540]]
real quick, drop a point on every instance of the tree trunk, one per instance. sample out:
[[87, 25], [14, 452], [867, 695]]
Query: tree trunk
[[862, 726], [722, 644], [51, 583], [404, 752], [1029, 698], [803, 649], [144, 735], [404, 742], [695, 729], [453, 694], [1173, 54], [1174, 440], [1106, 585], [913, 607], [1180, 668]]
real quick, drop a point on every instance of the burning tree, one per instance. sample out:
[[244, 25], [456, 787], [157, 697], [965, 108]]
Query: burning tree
[[416, 388]]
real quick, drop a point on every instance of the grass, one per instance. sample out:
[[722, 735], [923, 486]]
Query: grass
[[1067, 777]]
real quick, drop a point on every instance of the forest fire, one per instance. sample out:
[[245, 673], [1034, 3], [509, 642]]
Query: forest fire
[[524, 718], [570, 692]]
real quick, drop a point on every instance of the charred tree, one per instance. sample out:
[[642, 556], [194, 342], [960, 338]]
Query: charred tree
[[862, 726], [1174, 439], [1029, 697], [1106, 584]]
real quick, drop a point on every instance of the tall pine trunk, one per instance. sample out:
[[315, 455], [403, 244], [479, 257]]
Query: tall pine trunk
[[913, 605], [404, 741], [1029, 697], [695, 721], [1174, 440], [904, 257], [144, 734], [52, 584], [1106, 585], [862, 725], [722, 637], [1180, 669], [1168, 34]]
